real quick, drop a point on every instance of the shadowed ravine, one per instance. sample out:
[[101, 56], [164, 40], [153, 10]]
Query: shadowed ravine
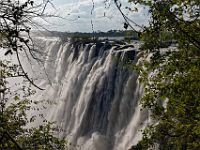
[[96, 95]]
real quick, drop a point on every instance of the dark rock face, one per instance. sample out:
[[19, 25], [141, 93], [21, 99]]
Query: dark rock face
[[129, 55], [125, 52]]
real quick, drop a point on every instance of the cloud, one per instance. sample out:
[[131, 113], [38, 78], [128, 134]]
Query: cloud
[[105, 16]]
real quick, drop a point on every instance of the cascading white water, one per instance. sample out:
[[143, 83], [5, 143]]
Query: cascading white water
[[93, 95]]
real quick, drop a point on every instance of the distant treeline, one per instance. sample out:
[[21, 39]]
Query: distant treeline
[[125, 36], [128, 34]]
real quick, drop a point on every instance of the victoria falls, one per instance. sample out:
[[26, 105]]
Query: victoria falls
[[99, 75]]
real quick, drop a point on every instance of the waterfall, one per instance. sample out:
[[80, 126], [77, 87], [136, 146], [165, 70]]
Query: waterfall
[[91, 93]]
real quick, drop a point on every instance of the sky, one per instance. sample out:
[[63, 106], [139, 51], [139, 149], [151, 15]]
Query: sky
[[76, 15]]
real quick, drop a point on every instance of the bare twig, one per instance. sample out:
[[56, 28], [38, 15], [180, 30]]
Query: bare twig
[[25, 74], [16, 22], [127, 20], [10, 137]]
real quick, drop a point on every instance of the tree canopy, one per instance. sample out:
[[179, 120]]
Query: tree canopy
[[171, 75], [16, 22]]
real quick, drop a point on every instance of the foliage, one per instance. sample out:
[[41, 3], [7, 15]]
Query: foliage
[[14, 133], [16, 22], [171, 76]]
